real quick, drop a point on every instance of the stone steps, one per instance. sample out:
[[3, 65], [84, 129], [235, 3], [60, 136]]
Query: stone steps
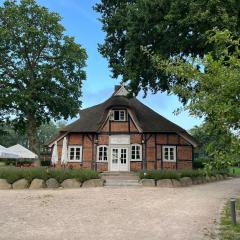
[[123, 183], [123, 179]]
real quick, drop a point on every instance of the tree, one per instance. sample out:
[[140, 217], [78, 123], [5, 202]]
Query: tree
[[167, 28], [41, 68], [212, 92], [211, 139], [45, 132]]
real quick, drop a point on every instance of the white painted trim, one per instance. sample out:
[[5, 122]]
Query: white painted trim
[[112, 113], [119, 139], [58, 139], [102, 161], [140, 152], [188, 139], [134, 120], [174, 153], [122, 91], [75, 146], [127, 159]]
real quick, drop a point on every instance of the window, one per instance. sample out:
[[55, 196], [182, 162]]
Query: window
[[136, 152], [75, 153], [118, 115], [169, 153], [102, 153]]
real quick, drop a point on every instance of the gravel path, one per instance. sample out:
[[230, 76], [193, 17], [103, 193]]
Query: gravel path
[[114, 213]]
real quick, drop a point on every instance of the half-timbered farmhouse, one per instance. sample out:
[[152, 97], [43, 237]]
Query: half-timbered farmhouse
[[123, 134]]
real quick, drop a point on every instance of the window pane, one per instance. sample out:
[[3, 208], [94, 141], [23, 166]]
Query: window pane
[[122, 115], [116, 115], [72, 153], [166, 153]]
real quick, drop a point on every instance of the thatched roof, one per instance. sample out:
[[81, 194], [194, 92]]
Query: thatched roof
[[91, 119]]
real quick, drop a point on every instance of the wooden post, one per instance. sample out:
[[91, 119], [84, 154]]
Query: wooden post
[[233, 211]]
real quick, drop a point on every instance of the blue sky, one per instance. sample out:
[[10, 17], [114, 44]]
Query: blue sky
[[81, 21]]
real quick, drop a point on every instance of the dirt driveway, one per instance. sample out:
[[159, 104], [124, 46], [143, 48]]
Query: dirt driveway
[[114, 213]]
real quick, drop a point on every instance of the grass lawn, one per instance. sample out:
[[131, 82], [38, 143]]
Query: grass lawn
[[2, 164], [235, 170], [228, 231]]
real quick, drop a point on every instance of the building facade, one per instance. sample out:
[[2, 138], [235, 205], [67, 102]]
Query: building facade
[[122, 134]]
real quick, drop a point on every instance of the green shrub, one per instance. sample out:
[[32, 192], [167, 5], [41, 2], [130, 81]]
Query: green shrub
[[159, 174], [191, 173], [176, 174], [45, 163], [198, 163], [12, 174]]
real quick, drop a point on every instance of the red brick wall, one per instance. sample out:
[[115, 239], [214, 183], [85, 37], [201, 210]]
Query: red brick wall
[[135, 166], [136, 139], [184, 165], [75, 138], [161, 138], [169, 165], [184, 153], [105, 128], [132, 126], [103, 139], [119, 126], [184, 149], [102, 167]]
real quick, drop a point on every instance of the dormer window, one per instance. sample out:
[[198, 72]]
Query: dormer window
[[118, 115]]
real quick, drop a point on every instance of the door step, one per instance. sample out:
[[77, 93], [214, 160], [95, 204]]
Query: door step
[[121, 179], [122, 183]]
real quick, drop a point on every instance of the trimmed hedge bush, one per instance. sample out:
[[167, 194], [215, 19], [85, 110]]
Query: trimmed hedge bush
[[12, 174], [176, 174]]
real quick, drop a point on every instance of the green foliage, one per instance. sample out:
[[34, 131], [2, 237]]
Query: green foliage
[[213, 90], [45, 163], [212, 139], [44, 133], [198, 163], [170, 174], [157, 175], [12, 174], [177, 174], [167, 28], [228, 231], [41, 68]]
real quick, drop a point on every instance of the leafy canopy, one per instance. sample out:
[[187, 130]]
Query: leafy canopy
[[167, 28], [41, 68], [213, 91]]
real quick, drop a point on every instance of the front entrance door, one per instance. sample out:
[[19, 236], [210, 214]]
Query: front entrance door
[[119, 159]]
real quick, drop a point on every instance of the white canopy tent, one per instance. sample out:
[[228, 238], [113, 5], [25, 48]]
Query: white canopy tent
[[8, 153], [23, 152]]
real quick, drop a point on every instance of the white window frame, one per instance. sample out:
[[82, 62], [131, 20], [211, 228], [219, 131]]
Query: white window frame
[[140, 153], [174, 153], [75, 146], [112, 114], [101, 160]]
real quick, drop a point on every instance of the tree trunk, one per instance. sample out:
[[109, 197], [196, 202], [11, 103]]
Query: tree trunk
[[32, 134]]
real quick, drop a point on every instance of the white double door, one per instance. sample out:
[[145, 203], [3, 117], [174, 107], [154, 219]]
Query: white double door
[[119, 159]]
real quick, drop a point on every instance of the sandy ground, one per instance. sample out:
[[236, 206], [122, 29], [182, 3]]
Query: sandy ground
[[114, 213]]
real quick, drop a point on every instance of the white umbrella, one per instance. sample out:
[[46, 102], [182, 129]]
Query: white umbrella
[[54, 158], [64, 157], [8, 153]]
